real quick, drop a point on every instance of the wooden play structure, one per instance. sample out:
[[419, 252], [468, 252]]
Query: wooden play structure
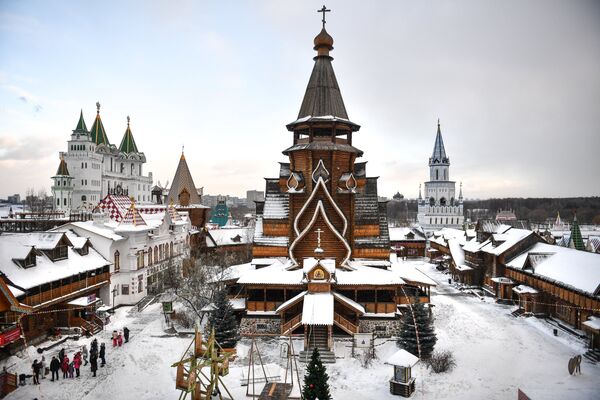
[[199, 371]]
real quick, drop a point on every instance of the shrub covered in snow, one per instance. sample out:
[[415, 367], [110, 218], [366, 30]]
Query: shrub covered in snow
[[441, 361]]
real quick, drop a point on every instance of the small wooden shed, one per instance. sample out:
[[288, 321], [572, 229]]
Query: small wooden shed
[[402, 383]]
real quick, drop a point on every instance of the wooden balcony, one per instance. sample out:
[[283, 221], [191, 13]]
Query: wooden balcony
[[380, 308], [262, 305], [343, 323], [292, 324], [411, 299], [58, 293]]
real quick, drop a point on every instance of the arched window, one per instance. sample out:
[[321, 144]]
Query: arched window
[[431, 201], [122, 167], [443, 201], [132, 165], [156, 255], [65, 201], [436, 221], [171, 250], [150, 256], [58, 202], [451, 201], [117, 261], [83, 198]]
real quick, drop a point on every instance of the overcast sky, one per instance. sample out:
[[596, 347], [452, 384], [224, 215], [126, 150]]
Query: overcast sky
[[516, 85]]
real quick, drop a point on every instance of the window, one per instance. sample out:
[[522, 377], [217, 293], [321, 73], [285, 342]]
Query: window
[[140, 283], [431, 201], [150, 256], [125, 289], [444, 174], [156, 257], [122, 167], [117, 262], [65, 201], [83, 198], [140, 259], [171, 250], [57, 183], [58, 202], [132, 165], [437, 174]]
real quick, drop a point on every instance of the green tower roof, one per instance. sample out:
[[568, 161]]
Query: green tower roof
[[220, 214], [576, 241], [81, 127], [128, 143], [97, 131], [62, 168]]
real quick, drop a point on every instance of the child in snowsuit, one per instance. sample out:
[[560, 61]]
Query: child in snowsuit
[[54, 367], [103, 354], [65, 367], [71, 369], [115, 339], [77, 363], [120, 339]]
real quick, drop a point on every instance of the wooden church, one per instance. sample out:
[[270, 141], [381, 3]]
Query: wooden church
[[321, 245]]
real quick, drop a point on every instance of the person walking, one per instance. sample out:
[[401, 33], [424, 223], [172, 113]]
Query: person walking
[[115, 338], [65, 367], [120, 339], [61, 355], [71, 369], [44, 367], [126, 334], [84, 353], [103, 354], [54, 367], [77, 363], [94, 363], [36, 366]]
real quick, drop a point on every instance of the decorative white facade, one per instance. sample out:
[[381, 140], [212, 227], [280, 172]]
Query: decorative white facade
[[439, 207], [140, 243], [98, 167]]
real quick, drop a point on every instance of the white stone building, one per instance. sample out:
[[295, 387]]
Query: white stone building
[[140, 242], [97, 167], [439, 207]]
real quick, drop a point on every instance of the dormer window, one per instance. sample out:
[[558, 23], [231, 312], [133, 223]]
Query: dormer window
[[60, 252], [28, 261], [84, 250]]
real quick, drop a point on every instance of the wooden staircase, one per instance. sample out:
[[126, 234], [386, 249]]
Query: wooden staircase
[[344, 324], [318, 337], [291, 325], [88, 326], [593, 355]]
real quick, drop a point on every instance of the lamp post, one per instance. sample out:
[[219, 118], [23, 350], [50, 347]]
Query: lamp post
[[114, 293]]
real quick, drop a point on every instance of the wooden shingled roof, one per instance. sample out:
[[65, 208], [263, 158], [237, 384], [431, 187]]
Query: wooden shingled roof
[[183, 180]]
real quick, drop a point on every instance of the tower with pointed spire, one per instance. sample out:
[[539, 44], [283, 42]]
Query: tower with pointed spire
[[62, 189], [97, 167], [439, 207]]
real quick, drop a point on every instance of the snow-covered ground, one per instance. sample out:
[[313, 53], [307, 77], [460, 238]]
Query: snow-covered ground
[[495, 354]]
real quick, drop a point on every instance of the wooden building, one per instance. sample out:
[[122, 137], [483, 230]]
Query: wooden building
[[50, 280], [408, 242], [321, 243]]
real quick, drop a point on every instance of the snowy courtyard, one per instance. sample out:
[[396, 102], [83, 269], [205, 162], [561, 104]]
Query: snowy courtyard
[[495, 354]]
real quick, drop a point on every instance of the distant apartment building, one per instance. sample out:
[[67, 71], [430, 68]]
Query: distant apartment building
[[252, 196]]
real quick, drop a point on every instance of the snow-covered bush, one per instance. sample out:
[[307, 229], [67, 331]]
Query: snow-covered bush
[[441, 361], [183, 318]]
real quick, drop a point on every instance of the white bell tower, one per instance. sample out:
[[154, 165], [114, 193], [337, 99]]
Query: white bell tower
[[62, 189]]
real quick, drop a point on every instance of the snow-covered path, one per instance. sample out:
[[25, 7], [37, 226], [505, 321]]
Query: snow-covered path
[[495, 354]]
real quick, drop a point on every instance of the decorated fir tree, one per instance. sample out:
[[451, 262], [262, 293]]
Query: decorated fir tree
[[407, 338], [223, 321], [315, 380]]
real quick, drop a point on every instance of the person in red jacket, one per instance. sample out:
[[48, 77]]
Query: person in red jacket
[[65, 367], [77, 363]]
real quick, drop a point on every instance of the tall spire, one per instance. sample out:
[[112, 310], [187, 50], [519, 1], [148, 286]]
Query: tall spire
[[128, 143], [322, 97], [62, 167], [439, 152], [97, 131], [576, 240], [81, 127], [460, 196], [420, 197], [183, 183]]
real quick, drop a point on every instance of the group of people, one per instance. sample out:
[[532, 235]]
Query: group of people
[[117, 337], [71, 368]]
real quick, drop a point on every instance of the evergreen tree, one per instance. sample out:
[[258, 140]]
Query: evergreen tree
[[407, 339], [223, 321], [315, 380]]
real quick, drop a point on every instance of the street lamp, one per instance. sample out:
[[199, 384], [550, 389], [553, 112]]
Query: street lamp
[[114, 293]]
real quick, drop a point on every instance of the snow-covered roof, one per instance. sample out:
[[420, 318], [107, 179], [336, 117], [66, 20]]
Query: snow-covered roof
[[473, 246], [502, 279], [400, 234], [457, 252], [349, 302], [230, 236], [291, 301], [236, 304], [99, 230], [368, 276], [362, 262], [408, 272], [505, 240], [16, 292], [274, 274], [523, 289], [576, 268], [84, 301], [309, 263], [260, 239], [593, 322], [12, 246], [43, 240], [317, 309], [402, 358], [463, 267]]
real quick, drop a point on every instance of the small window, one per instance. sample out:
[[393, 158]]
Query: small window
[[124, 289], [117, 261]]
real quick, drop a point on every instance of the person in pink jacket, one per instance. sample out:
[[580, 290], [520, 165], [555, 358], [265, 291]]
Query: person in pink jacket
[[115, 336], [120, 339], [77, 363]]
